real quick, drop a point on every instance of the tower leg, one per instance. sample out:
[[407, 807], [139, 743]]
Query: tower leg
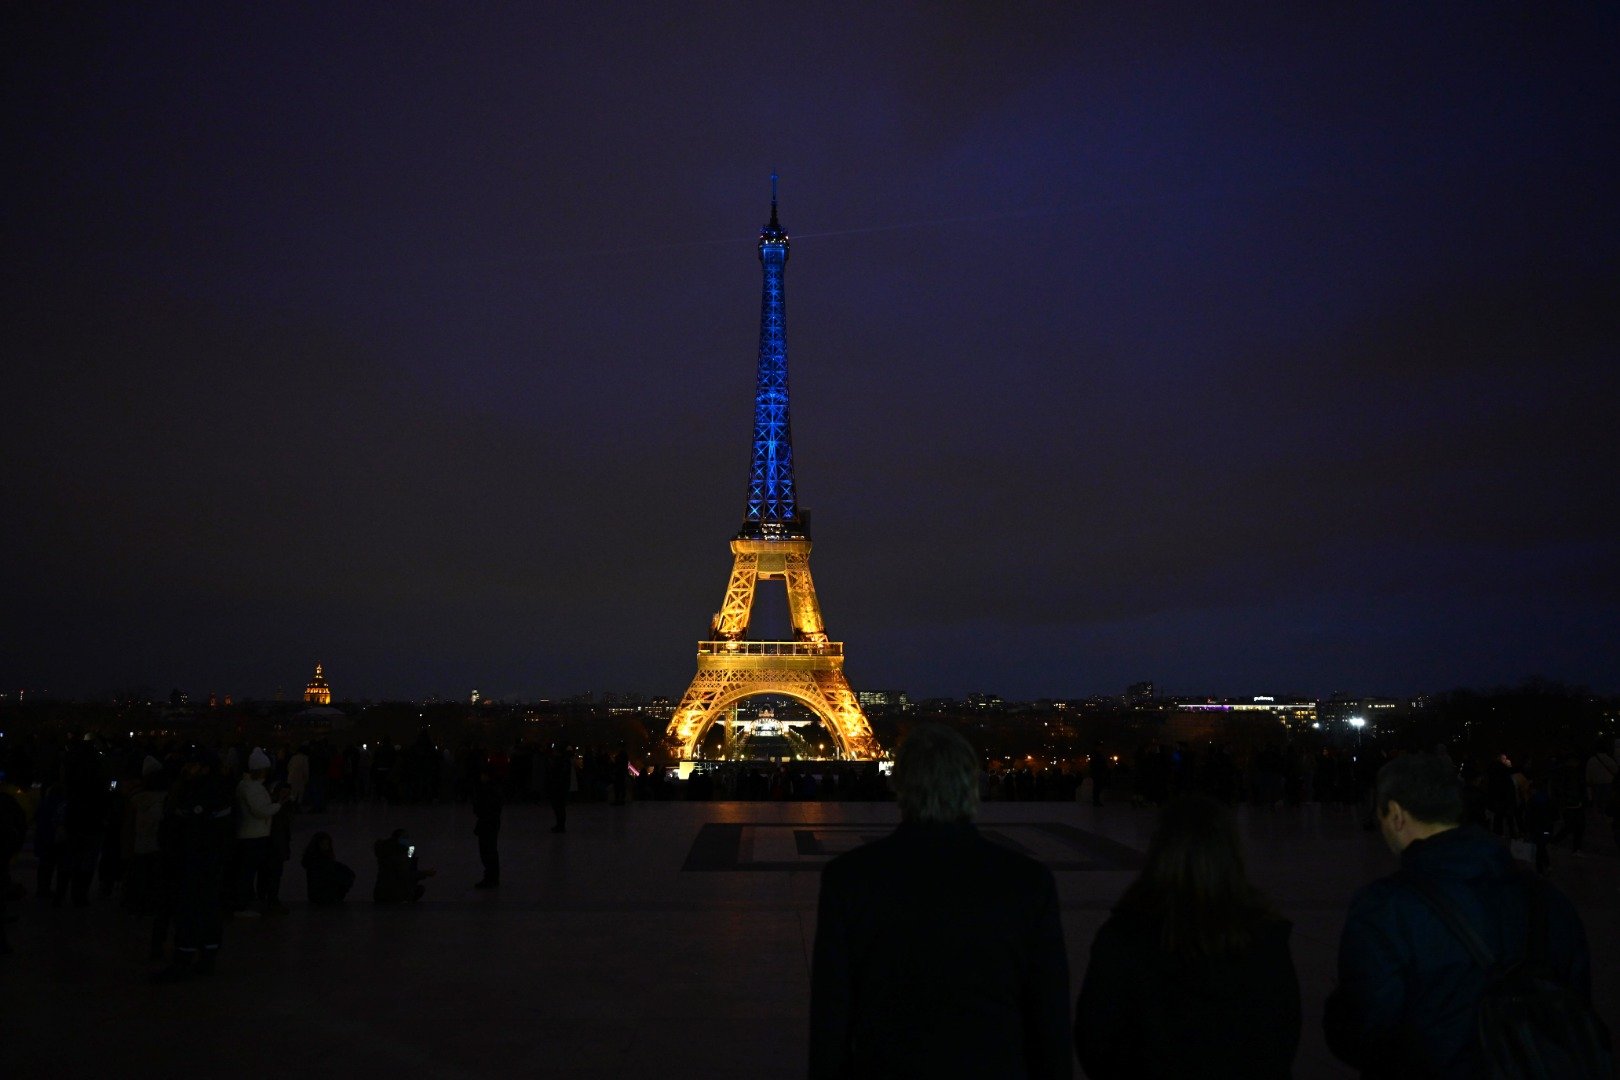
[[732, 620], [803, 608]]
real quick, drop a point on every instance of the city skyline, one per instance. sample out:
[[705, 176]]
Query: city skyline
[[1237, 350], [318, 691]]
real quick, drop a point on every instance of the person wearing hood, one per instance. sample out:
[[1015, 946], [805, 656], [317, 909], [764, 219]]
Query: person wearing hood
[[1409, 990], [254, 809]]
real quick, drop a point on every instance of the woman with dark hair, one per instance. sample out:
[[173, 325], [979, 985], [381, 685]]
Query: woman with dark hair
[[1191, 976]]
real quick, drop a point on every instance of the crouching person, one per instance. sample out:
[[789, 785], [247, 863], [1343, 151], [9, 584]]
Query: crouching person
[[398, 879]]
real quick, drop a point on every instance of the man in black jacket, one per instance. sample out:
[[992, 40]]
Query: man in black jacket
[[1408, 992], [938, 953]]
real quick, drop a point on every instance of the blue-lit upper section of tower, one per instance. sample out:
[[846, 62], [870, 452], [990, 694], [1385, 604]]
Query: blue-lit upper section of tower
[[773, 509]]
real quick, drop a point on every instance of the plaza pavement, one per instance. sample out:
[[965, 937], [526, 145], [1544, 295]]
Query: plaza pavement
[[666, 940]]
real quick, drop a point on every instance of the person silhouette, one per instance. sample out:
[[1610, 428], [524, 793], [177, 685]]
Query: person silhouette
[[938, 952], [486, 805], [1191, 975], [399, 880]]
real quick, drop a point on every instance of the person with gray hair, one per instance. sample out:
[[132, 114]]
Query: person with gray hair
[[936, 777], [937, 952]]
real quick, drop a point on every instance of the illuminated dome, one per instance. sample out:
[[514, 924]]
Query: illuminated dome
[[317, 692]]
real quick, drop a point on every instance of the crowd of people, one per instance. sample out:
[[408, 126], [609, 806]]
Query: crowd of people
[[936, 947], [190, 836], [940, 953]]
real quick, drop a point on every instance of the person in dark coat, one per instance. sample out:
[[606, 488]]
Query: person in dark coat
[[1101, 769], [47, 833], [1191, 976], [199, 835], [559, 779], [84, 823], [277, 852], [938, 953], [486, 804], [13, 831], [1408, 992], [621, 776], [398, 879], [327, 881]]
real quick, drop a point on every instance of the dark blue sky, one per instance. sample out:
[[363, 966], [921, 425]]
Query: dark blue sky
[[1251, 351]]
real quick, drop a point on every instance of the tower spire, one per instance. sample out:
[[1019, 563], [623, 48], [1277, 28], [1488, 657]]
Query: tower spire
[[773, 509]]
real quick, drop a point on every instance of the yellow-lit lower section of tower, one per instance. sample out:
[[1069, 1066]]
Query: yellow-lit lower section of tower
[[809, 669]]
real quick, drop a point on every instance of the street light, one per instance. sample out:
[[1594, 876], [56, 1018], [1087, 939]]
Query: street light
[[1358, 722]]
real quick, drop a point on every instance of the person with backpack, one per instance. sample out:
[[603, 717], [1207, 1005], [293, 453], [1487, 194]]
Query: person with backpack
[[1462, 963]]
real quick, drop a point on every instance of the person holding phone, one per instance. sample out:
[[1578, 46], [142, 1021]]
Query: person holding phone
[[399, 880]]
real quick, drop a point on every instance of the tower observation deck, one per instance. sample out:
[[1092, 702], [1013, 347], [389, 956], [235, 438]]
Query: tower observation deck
[[773, 544]]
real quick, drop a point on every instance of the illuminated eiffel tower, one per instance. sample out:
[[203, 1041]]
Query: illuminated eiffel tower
[[773, 544]]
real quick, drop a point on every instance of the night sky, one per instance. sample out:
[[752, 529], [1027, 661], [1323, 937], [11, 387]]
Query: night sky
[[1248, 352]]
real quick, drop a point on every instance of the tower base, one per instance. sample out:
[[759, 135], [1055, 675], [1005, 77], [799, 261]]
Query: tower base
[[811, 673]]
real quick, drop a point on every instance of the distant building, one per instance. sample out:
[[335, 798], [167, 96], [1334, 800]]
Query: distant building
[[882, 699], [317, 692], [1138, 693], [1294, 713], [1342, 710]]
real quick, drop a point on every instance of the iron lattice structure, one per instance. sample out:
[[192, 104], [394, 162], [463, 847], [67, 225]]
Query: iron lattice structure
[[773, 509], [773, 544]]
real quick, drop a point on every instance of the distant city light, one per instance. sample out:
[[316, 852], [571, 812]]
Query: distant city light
[[1358, 721]]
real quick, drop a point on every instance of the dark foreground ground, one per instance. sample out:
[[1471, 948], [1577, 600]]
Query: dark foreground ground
[[666, 940]]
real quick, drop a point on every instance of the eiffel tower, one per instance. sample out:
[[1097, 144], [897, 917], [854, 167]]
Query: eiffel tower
[[773, 544]]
